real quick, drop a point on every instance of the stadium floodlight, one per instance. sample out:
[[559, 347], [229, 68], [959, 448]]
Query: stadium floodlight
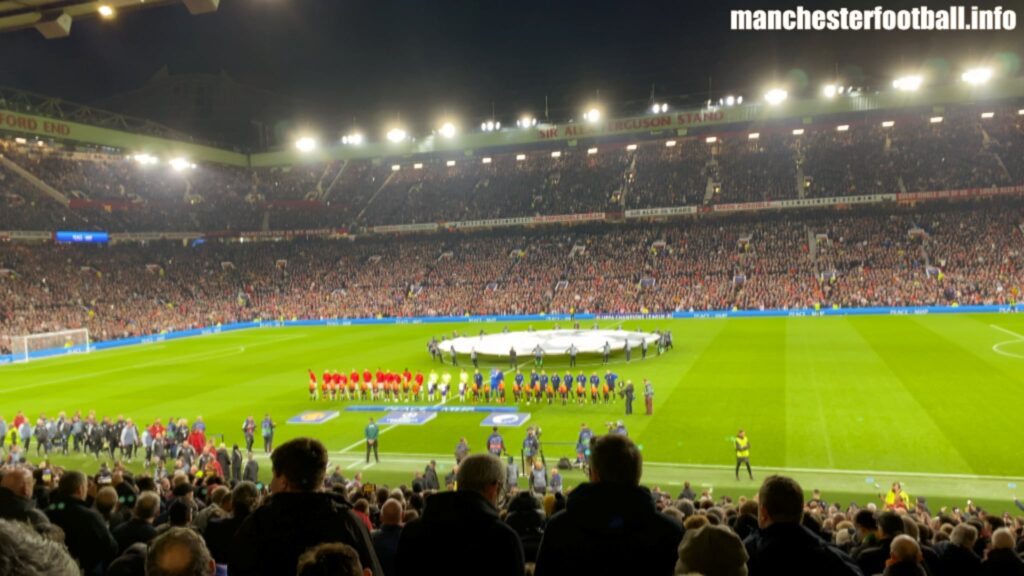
[[987, 115], [591, 151], [659, 108], [977, 76], [450, 163], [305, 144], [776, 96], [526, 121], [556, 154], [711, 139], [180, 164], [105, 11], [753, 136], [798, 132], [935, 119], [731, 100], [908, 83], [146, 159], [396, 135], [593, 115], [487, 160], [396, 167], [520, 157], [843, 128], [490, 126], [631, 147], [830, 90], [888, 124], [353, 139], [447, 130], [417, 166], [670, 143]]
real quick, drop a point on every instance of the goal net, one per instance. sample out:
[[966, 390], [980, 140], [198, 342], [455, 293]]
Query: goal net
[[33, 346]]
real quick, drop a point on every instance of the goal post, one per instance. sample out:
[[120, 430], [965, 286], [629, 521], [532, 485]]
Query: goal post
[[34, 346]]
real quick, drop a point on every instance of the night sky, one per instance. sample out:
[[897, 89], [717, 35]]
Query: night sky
[[371, 59]]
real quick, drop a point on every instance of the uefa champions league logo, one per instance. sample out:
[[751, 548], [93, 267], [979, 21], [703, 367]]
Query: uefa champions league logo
[[551, 342]]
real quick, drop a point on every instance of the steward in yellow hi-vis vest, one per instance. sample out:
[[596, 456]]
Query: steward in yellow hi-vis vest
[[743, 454]]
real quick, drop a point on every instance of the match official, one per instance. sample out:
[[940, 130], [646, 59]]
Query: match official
[[372, 432], [743, 453]]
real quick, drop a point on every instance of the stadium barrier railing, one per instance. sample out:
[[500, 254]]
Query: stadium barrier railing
[[772, 313]]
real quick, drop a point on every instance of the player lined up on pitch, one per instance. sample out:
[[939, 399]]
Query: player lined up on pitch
[[536, 387]]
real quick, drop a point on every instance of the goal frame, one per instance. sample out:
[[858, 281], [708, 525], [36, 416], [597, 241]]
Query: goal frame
[[21, 350]]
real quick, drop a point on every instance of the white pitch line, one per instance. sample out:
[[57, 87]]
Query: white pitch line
[[1010, 332], [383, 430], [834, 471], [353, 465]]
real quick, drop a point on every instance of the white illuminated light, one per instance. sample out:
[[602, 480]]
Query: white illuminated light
[[396, 167], [591, 151], [447, 130], [908, 83], [179, 164], [711, 139], [354, 139], [520, 157], [776, 96], [731, 100], [145, 159], [450, 163], [1020, 112], [798, 132], [842, 127], [417, 166], [20, 140], [659, 108], [631, 147], [40, 143], [670, 143], [487, 160], [396, 135], [106, 11], [987, 115], [305, 144], [753, 135], [888, 124], [593, 115], [935, 119], [830, 90], [556, 154], [977, 76], [526, 122]]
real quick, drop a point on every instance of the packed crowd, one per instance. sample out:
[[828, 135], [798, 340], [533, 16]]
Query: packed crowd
[[945, 253], [117, 193], [309, 521]]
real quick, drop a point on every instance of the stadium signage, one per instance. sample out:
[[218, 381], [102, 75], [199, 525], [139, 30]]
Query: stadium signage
[[81, 237], [667, 211], [642, 123], [806, 203], [964, 193], [35, 125]]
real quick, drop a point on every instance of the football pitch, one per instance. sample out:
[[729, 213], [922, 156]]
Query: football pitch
[[840, 403]]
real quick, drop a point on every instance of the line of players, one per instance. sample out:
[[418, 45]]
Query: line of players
[[405, 386]]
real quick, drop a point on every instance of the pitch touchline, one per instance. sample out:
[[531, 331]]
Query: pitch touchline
[[419, 458]]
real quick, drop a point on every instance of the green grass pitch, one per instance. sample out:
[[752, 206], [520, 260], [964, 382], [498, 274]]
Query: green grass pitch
[[840, 403]]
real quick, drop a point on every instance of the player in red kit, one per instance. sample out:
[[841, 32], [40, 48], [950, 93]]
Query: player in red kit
[[312, 385]]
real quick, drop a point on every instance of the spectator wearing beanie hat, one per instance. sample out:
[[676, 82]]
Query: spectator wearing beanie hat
[[712, 551]]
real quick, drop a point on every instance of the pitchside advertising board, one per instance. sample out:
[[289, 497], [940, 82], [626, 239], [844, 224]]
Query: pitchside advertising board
[[406, 418], [314, 417], [513, 419]]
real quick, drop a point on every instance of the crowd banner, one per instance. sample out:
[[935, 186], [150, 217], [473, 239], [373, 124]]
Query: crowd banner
[[666, 211], [406, 228], [806, 203], [964, 193], [776, 313]]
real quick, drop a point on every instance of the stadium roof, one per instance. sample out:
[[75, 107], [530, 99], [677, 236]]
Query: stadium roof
[[53, 18]]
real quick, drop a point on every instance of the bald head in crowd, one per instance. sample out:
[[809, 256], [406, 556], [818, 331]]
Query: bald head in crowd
[[481, 473], [904, 549], [19, 481], [391, 513], [179, 552]]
